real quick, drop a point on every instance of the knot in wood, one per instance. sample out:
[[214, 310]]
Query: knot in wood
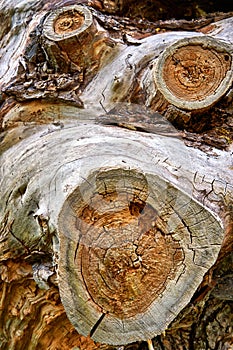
[[127, 251], [68, 21], [194, 72]]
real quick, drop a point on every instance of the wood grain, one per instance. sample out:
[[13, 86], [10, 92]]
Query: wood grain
[[67, 183], [97, 186], [194, 73], [133, 249]]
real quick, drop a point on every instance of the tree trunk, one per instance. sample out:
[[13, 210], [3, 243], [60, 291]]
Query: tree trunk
[[115, 177]]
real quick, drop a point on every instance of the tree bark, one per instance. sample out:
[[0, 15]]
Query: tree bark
[[115, 179]]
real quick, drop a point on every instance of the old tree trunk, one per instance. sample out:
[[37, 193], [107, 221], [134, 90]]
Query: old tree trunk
[[116, 181]]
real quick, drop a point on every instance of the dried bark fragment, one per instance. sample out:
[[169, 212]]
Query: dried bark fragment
[[33, 318], [194, 73]]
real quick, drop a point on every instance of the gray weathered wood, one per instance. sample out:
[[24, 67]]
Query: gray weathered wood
[[103, 190], [54, 161]]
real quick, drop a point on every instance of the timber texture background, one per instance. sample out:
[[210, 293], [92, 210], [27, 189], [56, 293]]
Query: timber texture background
[[116, 164]]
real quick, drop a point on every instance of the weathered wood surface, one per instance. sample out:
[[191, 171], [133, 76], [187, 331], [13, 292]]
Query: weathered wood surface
[[103, 191], [41, 185], [187, 79]]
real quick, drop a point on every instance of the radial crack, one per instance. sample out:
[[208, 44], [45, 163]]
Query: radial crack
[[96, 325]]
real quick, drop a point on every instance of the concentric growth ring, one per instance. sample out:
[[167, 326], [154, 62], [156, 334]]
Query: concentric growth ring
[[125, 254], [67, 22], [132, 247], [194, 73]]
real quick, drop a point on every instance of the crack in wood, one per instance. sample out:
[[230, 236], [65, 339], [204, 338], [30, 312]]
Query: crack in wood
[[97, 324], [18, 239]]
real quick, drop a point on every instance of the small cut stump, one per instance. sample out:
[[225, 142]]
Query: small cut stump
[[194, 73]]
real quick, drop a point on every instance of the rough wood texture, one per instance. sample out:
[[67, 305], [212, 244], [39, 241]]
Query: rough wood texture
[[103, 202], [76, 43], [194, 73], [43, 184], [133, 249]]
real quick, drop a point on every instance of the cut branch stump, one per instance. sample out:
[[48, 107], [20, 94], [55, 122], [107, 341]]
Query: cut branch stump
[[194, 73]]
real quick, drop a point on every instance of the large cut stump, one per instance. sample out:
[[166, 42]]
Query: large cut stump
[[133, 249], [134, 243]]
